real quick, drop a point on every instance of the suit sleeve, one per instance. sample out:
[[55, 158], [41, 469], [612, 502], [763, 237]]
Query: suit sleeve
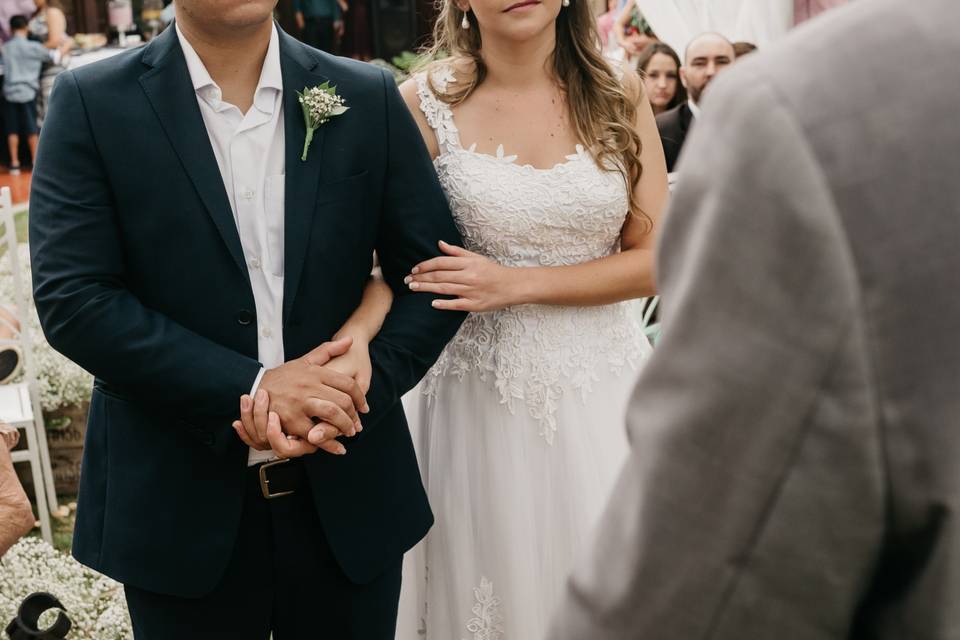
[[85, 308], [760, 299], [415, 217]]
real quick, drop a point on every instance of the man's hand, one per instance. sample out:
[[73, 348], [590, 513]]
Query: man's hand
[[10, 436], [306, 397], [301, 21], [16, 514], [338, 28]]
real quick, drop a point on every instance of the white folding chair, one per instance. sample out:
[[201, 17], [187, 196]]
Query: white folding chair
[[20, 402]]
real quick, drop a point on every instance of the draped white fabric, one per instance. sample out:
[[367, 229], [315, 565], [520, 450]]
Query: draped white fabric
[[758, 21]]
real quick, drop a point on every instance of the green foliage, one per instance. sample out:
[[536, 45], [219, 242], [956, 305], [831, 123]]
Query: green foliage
[[403, 65]]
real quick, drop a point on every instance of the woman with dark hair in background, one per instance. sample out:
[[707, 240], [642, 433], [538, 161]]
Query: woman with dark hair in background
[[659, 67], [48, 25]]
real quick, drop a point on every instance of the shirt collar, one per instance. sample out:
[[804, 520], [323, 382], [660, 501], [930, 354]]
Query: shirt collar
[[694, 108], [271, 77]]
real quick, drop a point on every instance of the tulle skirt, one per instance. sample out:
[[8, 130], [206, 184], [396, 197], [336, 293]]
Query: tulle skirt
[[512, 509]]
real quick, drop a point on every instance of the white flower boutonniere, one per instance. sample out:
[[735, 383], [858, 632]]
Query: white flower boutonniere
[[319, 105]]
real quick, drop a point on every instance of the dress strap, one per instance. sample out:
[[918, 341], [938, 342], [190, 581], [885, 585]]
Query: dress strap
[[438, 113]]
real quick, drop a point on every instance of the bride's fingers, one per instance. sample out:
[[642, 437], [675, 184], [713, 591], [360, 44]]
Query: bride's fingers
[[453, 277], [437, 264], [454, 250], [459, 304], [238, 427], [441, 288], [283, 446]]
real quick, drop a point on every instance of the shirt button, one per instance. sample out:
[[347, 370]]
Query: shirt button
[[266, 332], [255, 263], [247, 194]]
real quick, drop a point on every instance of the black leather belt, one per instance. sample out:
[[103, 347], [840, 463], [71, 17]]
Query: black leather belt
[[280, 478]]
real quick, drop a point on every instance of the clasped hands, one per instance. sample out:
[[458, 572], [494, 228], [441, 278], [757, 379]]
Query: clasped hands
[[303, 405]]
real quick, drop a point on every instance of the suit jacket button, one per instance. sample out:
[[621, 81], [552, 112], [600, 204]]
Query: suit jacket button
[[245, 317]]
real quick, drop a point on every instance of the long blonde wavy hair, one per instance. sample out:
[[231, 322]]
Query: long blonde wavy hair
[[603, 114]]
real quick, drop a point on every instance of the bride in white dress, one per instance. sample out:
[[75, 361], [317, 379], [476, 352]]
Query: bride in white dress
[[553, 168]]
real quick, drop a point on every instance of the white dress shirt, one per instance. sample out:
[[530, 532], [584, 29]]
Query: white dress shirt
[[694, 108], [250, 153]]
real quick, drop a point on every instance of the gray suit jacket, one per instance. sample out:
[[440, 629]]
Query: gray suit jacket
[[795, 465]]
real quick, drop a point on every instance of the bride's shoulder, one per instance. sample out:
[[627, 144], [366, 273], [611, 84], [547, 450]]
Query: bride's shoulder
[[436, 81], [424, 93]]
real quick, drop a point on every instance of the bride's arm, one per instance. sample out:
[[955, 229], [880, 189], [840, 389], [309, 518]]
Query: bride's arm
[[363, 326], [482, 285]]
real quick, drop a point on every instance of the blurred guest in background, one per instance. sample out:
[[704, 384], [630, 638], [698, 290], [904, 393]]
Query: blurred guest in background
[[23, 60], [605, 24], [48, 25], [706, 56], [659, 67], [320, 22], [741, 49], [632, 33], [16, 514], [803, 10], [10, 8], [356, 41]]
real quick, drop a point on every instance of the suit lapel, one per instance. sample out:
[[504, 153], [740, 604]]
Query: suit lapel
[[299, 69], [170, 91]]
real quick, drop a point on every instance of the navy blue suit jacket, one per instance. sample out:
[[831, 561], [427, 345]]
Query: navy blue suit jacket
[[139, 277]]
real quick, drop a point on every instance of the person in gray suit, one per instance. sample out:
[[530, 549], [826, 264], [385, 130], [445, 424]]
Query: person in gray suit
[[795, 465]]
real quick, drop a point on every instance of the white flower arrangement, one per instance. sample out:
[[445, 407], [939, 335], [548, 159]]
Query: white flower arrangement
[[60, 382], [319, 104], [94, 603]]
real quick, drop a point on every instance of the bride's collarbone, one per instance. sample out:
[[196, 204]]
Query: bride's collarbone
[[534, 129]]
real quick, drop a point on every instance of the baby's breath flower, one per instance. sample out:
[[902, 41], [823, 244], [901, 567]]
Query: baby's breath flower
[[319, 104], [95, 603]]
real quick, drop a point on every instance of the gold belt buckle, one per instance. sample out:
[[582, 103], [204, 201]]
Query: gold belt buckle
[[265, 482]]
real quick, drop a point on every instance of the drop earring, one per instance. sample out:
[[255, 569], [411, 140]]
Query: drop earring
[[565, 3], [465, 24]]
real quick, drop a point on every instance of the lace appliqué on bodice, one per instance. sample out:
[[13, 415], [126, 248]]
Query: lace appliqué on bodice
[[519, 215]]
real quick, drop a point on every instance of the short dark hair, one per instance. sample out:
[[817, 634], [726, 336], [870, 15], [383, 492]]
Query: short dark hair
[[18, 22], [743, 48]]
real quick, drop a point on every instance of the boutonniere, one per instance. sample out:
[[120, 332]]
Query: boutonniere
[[319, 104]]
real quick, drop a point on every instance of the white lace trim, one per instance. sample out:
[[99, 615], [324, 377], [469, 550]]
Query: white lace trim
[[487, 623], [438, 113], [534, 355]]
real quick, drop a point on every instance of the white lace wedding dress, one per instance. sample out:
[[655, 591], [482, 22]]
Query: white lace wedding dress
[[519, 425]]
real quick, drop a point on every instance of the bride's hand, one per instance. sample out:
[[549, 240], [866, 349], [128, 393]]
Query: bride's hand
[[355, 362], [478, 283]]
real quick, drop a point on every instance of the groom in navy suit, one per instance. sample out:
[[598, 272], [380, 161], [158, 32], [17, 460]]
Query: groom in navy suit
[[185, 254]]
